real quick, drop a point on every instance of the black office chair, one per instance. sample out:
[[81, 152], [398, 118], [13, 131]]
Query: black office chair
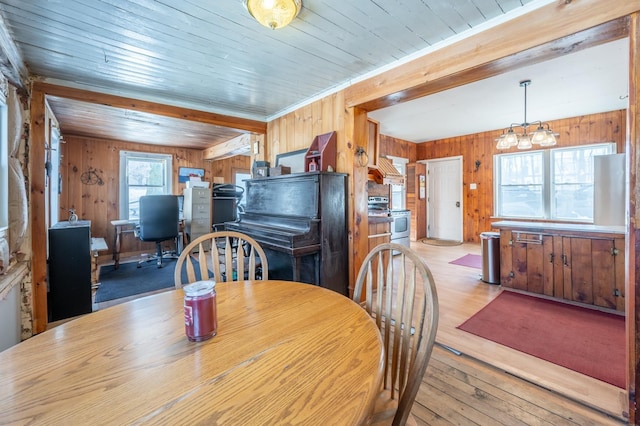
[[159, 221]]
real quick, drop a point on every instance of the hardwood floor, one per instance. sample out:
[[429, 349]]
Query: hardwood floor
[[488, 384], [492, 384]]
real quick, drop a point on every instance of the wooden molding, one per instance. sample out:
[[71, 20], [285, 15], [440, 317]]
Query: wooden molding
[[550, 31], [37, 214], [241, 124], [632, 262]]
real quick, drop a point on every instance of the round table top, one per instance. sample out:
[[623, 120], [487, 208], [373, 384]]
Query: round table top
[[285, 353]]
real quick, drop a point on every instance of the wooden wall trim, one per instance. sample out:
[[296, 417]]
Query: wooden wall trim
[[237, 123], [553, 27], [356, 130], [38, 209], [632, 261]]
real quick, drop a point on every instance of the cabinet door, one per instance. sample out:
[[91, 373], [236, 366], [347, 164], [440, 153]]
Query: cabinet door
[[619, 270], [578, 269], [373, 144], [528, 263], [592, 269]]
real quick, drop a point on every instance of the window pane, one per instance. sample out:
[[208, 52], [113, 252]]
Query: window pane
[[521, 201], [526, 168], [145, 172], [573, 201], [572, 181], [520, 185]]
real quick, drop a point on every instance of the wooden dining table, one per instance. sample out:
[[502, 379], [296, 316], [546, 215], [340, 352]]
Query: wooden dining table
[[284, 353]]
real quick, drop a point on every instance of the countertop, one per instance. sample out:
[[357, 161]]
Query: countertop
[[556, 226]]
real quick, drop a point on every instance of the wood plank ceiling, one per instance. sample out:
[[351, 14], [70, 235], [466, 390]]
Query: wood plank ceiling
[[212, 56]]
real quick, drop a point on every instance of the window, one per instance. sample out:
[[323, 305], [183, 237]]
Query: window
[[142, 174], [398, 192], [547, 184]]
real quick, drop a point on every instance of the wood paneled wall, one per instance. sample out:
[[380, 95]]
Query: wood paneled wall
[[227, 168], [478, 203], [398, 148], [296, 130], [100, 203]]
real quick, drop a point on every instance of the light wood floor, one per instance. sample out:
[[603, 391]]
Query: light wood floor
[[493, 384], [490, 384]]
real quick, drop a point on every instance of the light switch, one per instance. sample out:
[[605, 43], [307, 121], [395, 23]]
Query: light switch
[[473, 186]]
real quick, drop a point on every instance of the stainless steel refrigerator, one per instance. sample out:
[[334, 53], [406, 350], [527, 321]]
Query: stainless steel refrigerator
[[609, 199]]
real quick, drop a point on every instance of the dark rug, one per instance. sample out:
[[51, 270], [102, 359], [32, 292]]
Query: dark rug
[[470, 260], [437, 242], [585, 340], [129, 280]]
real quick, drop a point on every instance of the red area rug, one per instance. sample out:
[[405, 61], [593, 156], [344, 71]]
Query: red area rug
[[470, 260], [588, 341]]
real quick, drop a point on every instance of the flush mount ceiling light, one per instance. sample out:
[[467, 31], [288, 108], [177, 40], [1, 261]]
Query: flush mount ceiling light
[[542, 136], [273, 14]]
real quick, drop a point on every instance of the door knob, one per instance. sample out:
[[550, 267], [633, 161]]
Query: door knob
[[457, 203]]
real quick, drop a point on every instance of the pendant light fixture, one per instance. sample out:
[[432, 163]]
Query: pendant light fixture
[[542, 135], [273, 14]]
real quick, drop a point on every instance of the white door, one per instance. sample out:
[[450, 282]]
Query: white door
[[444, 199]]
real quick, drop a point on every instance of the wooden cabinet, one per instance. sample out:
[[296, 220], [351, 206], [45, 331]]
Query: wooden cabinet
[[593, 271], [526, 261], [321, 155], [579, 266], [373, 142]]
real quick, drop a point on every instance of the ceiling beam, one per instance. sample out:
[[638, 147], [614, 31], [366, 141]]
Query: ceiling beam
[[537, 36], [240, 145], [241, 124]]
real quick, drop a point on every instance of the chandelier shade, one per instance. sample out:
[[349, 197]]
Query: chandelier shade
[[523, 139], [273, 14]]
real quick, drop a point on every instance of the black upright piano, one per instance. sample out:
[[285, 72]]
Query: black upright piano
[[300, 220]]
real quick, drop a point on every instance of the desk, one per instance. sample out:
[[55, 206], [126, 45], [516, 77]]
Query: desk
[[124, 226], [285, 353], [121, 226]]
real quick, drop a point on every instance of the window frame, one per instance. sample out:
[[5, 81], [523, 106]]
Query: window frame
[[549, 207], [125, 157], [402, 163]]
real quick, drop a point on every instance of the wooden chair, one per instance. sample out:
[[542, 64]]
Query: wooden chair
[[400, 294], [233, 256]]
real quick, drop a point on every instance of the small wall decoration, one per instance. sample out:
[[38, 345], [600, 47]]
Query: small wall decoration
[[423, 187], [91, 177], [184, 173]]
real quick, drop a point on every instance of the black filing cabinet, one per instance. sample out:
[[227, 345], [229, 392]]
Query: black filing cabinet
[[69, 269]]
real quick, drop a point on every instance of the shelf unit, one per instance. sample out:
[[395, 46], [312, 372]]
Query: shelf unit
[[323, 152]]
